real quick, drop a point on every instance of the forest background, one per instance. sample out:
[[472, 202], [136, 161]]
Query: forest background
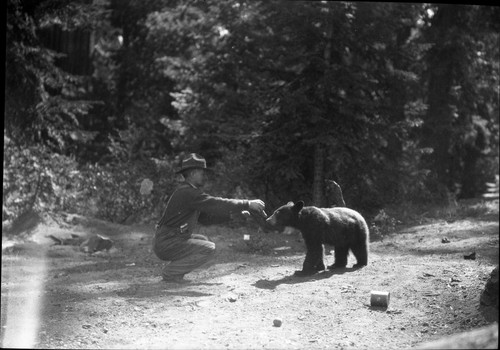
[[397, 102]]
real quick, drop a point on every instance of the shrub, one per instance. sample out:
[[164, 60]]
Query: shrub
[[383, 224], [35, 178]]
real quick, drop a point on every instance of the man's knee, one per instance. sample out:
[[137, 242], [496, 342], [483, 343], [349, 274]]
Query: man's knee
[[201, 245], [200, 237]]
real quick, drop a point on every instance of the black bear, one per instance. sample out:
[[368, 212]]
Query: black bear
[[343, 228]]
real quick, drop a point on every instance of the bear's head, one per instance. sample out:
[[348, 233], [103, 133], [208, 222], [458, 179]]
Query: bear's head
[[286, 215]]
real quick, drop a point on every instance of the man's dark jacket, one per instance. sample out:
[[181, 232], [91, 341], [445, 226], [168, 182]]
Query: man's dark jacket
[[187, 207]]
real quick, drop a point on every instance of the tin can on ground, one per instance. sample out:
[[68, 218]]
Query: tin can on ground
[[379, 298], [246, 237]]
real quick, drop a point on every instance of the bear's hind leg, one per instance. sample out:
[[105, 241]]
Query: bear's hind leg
[[361, 254], [340, 258]]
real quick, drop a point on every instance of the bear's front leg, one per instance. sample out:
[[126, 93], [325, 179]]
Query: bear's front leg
[[320, 264], [313, 262]]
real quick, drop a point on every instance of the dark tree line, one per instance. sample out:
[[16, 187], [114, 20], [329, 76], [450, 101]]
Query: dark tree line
[[394, 101]]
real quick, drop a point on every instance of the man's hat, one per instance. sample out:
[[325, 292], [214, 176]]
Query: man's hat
[[193, 161]]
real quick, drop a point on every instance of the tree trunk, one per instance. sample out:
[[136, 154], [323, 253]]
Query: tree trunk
[[319, 155], [469, 182], [319, 170], [444, 72]]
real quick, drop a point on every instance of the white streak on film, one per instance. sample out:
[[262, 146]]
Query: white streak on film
[[24, 305]]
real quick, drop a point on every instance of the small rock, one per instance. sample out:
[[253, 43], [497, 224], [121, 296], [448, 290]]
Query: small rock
[[394, 312], [471, 256], [86, 326], [277, 322], [445, 240], [231, 298], [96, 243], [202, 303]]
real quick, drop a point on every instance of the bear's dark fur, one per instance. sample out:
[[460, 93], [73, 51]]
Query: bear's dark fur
[[343, 228]]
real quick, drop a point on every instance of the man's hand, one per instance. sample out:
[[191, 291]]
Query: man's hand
[[257, 206]]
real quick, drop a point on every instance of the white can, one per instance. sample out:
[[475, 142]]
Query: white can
[[246, 237], [379, 298]]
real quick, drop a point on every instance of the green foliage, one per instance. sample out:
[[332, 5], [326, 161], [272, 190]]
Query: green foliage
[[112, 192], [475, 210], [35, 178], [383, 224], [42, 102], [462, 93], [401, 97], [346, 105]]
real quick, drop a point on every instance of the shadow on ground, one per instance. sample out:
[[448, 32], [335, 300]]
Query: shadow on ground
[[272, 284]]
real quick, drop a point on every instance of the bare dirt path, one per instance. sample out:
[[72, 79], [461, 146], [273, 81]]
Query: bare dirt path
[[60, 297]]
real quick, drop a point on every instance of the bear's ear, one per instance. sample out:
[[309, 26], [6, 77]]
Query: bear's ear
[[298, 206]]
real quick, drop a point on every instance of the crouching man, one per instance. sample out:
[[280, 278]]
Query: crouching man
[[176, 238]]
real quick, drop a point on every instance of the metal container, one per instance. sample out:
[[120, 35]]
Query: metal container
[[379, 298]]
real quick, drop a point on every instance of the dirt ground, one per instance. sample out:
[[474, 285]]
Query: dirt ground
[[55, 296]]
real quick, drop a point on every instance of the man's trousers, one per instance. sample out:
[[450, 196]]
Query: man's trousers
[[185, 252]]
